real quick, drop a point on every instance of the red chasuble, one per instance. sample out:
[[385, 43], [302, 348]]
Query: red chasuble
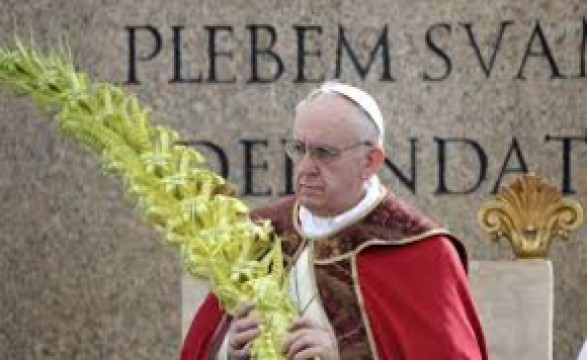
[[393, 286]]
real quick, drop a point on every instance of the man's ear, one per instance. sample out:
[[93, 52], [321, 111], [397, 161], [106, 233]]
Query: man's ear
[[375, 159]]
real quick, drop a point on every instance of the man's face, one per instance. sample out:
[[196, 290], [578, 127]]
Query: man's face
[[330, 187]]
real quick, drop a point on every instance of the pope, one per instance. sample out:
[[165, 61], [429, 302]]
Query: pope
[[371, 277]]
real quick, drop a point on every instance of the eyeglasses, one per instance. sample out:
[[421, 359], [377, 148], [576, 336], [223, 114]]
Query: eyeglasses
[[297, 149]]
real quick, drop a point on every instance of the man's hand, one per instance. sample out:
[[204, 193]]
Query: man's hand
[[307, 340], [243, 330]]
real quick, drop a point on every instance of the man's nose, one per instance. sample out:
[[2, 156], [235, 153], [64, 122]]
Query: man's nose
[[307, 163]]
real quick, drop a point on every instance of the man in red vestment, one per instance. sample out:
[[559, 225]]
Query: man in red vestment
[[371, 277]]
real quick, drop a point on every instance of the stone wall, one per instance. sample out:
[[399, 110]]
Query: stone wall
[[84, 278]]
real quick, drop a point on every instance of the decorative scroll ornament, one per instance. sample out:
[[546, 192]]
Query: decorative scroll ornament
[[530, 213]]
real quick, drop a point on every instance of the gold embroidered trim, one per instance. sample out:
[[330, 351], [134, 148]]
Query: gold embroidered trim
[[297, 253], [361, 304], [374, 242], [311, 261]]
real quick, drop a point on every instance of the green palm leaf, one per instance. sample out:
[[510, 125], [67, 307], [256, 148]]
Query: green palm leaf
[[189, 204]]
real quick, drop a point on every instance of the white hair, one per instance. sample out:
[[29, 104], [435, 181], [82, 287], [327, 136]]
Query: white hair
[[360, 98]]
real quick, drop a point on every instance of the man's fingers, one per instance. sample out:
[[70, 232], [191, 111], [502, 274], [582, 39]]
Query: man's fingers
[[243, 330], [309, 353], [243, 339], [307, 340], [245, 324], [300, 343], [243, 309], [243, 353], [290, 339], [298, 328], [301, 323]]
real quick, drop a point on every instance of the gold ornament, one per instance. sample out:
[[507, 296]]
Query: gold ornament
[[530, 213]]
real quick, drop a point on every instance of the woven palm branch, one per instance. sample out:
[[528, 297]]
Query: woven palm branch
[[191, 206]]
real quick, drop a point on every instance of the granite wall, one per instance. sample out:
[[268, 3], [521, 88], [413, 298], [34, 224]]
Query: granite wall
[[473, 92]]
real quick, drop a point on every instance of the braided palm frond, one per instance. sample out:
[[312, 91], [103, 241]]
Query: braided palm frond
[[189, 204]]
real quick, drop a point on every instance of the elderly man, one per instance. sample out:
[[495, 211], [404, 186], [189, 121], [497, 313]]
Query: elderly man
[[371, 277]]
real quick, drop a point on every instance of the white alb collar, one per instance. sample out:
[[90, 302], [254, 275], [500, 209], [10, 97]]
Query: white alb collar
[[314, 226]]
